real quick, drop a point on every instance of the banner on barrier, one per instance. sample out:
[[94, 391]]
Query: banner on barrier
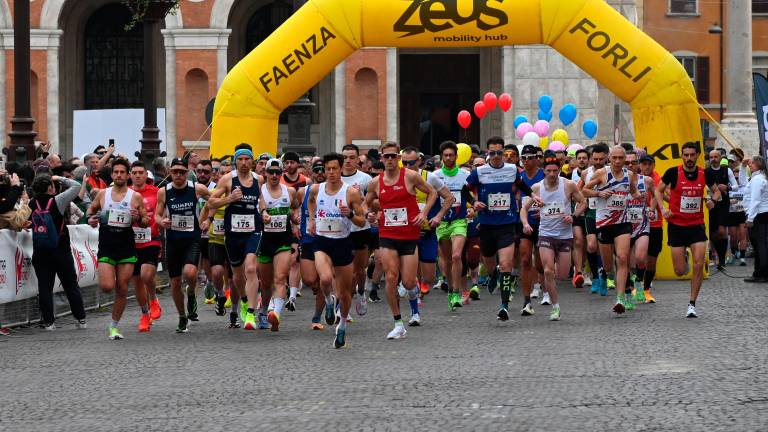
[[17, 277]]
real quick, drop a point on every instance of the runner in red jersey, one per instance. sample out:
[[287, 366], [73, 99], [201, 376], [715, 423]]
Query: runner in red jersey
[[685, 216], [148, 246], [400, 224]]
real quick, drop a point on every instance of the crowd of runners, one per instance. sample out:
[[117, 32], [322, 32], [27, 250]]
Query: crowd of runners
[[503, 223]]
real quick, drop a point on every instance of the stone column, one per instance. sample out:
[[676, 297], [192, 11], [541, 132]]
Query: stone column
[[739, 120], [52, 94], [340, 105], [170, 97], [393, 117]]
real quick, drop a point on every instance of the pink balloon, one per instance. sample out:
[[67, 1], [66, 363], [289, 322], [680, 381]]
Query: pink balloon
[[490, 101], [574, 147], [556, 146], [505, 102], [523, 129], [465, 119], [480, 109], [541, 128]]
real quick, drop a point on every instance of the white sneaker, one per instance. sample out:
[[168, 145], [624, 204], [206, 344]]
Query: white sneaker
[[49, 327], [415, 321], [587, 281], [401, 290], [691, 312], [81, 325], [397, 333], [545, 300], [535, 292], [361, 306], [527, 310]]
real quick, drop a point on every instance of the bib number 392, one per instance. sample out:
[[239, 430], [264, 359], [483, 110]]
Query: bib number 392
[[690, 204]]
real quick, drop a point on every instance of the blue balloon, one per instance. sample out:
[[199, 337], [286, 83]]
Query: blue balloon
[[590, 128], [545, 103], [568, 114], [520, 120], [545, 116]]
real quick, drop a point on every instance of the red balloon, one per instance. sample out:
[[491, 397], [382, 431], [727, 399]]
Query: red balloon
[[480, 109], [490, 101], [505, 102], [465, 119]]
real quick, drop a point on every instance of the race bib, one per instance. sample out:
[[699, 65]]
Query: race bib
[[218, 227], [636, 214], [243, 223], [328, 227], [554, 209], [142, 235], [499, 201], [184, 223], [119, 218], [737, 202], [277, 224], [456, 198], [617, 202], [395, 217], [690, 205]]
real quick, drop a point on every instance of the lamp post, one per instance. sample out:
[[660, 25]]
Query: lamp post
[[22, 135], [718, 30]]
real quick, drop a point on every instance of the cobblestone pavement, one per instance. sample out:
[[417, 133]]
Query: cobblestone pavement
[[651, 369]]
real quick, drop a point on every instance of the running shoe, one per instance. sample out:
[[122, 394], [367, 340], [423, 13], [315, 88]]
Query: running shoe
[[424, 288], [337, 312], [209, 293], [587, 280], [629, 302], [155, 311], [415, 320], [555, 314], [536, 291], [249, 322], [546, 301], [454, 301], [330, 311], [233, 320], [5, 331], [361, 306], [443, 285], [398, 332], [527, 310], [228, 303], [493, 280], [114, 334], [648, 298], [595, 286], [192, 308], [611, 284], [603, 287], [742, 263], [691, 312], [316, 324], [291, 305], [578, 280], [183, 326], [639, 296], [373, 297], [502, 314], [263, 322], [243, 309], [210, 300], [340, 340], [271, 306], [274, 320], [618, 308], [474, 292], [219, 308], [350, 319], [79, 324], [465, 297], [144, 323], [48, 327], [729, 259]]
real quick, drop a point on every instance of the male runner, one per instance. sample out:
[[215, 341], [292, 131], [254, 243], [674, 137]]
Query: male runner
[[737, 216], [685, 216], [333, 207], [400, 224], [656, 235], [122, 208], [308, 270], [204, 172], [293, 178], [148, 244], [240, 191], [280, 220], [579, 236], [496, 185], [529, 253], [182, 237], [452, 231], [718, 216], [555, 230], [638, 211], [615, 185], [597, 161], [219, 261]]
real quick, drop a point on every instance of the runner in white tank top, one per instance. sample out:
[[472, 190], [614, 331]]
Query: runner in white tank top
[[555, 226]]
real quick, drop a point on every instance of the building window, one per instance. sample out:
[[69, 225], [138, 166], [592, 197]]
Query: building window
[[760, 65], [698, 70], [760, 7], [114, 60], [685, 7]]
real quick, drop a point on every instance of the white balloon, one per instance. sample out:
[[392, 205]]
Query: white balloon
[[531, 138]]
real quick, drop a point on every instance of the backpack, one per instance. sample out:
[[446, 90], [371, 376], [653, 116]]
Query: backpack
[[44, 234]]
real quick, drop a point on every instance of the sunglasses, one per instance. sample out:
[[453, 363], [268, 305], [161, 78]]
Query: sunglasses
[[101, 153], [529, 157], [274, 172], [215, 169], [509, 152], [390, 155], [495, 152], [410, 162], [179, 172], [226, 163], [318, 170], [203, 171], [628, 163]]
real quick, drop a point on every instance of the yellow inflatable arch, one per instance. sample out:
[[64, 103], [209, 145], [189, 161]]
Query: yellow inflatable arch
[[590, 33]]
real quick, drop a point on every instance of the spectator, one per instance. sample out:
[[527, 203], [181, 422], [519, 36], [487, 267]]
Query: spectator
[[757, 218], [93, 181], [48, 263], [13, 216]]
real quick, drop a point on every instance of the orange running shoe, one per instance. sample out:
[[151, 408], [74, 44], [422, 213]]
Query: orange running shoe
[[274, 321], [144, 323], [424, 288], [155, 311], [578, 280]]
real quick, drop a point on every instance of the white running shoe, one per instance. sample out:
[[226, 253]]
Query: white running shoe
[[691, 311], [545, 300], [535, 292], [401, 290], [527, 310], [587, 281], [415, 321], [81, 324], [397, 333]]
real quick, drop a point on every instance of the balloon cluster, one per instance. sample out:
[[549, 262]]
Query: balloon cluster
[[483, 107]]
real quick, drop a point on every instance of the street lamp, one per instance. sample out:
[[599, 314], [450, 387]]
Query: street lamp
[[717, 29], [22, 133]]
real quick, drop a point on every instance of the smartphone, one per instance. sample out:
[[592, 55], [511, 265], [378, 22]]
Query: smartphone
[[111, 142]]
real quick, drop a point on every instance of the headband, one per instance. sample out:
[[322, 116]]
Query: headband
[[242, 152]]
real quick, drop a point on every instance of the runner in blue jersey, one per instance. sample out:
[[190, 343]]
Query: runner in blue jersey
[[529, 251], [496, 185], [307, 243]]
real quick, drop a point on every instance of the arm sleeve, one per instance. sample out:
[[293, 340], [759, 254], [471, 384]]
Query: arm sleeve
[[473, 180], [670, 178], [63, 199], [11, 198], [522, 187]]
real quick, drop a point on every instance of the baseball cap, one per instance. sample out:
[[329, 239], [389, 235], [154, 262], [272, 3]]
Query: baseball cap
[[274, 163], [529, 150], [318, 164], [647, 158], [732, 158], [265, 156], [178, 162]]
